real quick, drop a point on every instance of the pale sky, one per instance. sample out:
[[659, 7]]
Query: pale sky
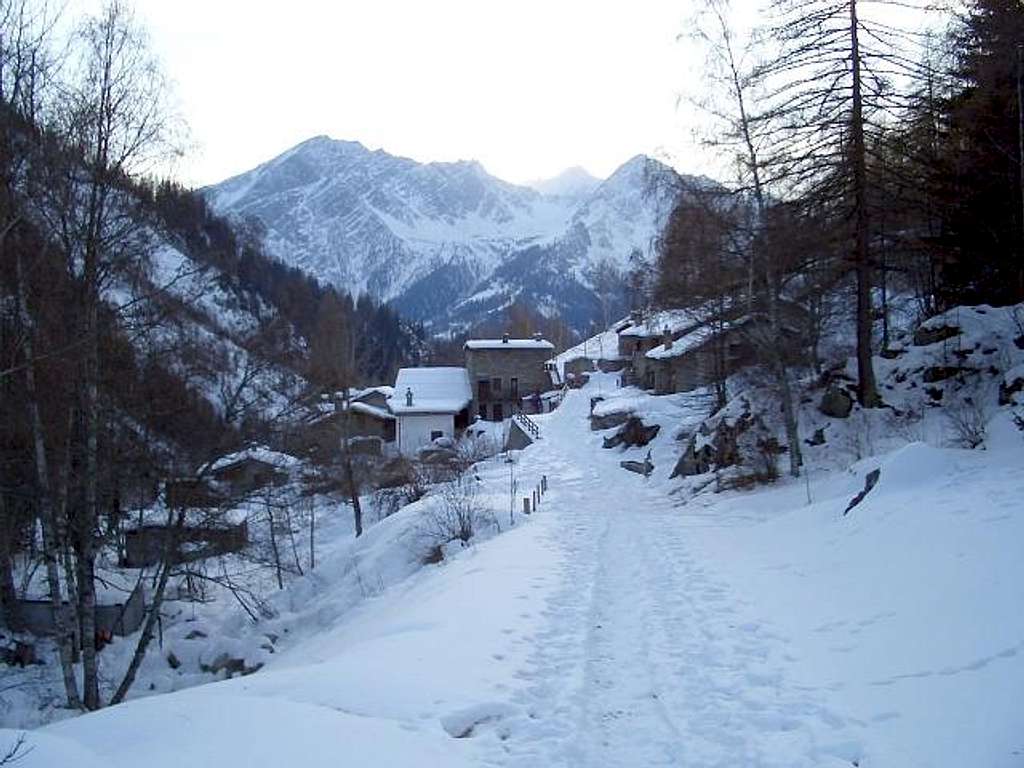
[[528, 87]]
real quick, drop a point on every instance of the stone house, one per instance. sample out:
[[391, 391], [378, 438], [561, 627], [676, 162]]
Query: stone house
[[368, 422], [703, 353], [696, 359], [507, 375], [643, 335], [429, 404]]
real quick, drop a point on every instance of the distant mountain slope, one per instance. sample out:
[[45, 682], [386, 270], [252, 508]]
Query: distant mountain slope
[[447, 243]]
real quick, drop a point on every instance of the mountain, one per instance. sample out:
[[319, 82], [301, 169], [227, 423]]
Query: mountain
[[573, 183], [448, 244]]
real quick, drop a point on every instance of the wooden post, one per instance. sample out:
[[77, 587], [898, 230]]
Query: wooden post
[[526, 506], [544, 483]]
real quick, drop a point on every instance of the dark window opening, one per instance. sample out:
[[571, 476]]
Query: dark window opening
[[483, 412], [436, 434], [513, 388], [499, 412], [483, 387], [496, 387]]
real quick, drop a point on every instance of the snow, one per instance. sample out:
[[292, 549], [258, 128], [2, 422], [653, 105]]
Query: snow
[[372, 410], [509, 344], [260, 453], [435, 390], [602, 346], [627, 623], [684, 344], [671, 320], [374, 223]]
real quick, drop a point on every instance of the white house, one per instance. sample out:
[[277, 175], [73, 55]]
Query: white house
[[429, 403]]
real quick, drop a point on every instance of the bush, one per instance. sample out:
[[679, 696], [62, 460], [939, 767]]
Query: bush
[[458, 514], [968, 418]]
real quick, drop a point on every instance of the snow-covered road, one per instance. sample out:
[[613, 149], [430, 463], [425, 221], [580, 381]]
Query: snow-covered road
[[643, 661], [620, 628]]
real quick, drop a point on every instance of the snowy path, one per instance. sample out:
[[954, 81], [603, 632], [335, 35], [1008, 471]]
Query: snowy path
[[642, 661], [616, 630]]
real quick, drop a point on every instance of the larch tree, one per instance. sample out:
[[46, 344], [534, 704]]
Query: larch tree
[[833, 86]]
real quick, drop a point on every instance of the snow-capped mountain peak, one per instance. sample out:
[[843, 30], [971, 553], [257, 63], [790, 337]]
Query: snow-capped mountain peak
[[445, 242], [573, 182]]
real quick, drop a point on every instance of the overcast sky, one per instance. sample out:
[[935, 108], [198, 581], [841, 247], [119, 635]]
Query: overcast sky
[[528, 88]]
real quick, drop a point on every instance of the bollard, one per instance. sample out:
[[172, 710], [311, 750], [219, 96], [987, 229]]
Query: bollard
[[544, 483], [536, 498], [526, 506]]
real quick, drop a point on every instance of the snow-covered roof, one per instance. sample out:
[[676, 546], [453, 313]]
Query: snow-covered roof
[[359, 394], [371, 410], [255, 453], [691, 340], [672, 320], [603, 346], [509, 344], [434, 390]]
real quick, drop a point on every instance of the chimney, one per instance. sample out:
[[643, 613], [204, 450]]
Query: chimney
[[504, 338], [666, 336], [408, 397]]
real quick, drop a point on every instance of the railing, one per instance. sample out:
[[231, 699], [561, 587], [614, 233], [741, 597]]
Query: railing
[[528, 425]]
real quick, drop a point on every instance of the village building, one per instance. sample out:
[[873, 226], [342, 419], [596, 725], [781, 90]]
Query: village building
[[642, 335], [429, 404], [509, 376], [366, 420], [696, 359], [694, 348]]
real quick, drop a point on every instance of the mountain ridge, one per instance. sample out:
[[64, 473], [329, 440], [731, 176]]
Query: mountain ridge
[[447, 243]]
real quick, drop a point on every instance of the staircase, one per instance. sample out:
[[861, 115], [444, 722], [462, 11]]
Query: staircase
[[528, 425]]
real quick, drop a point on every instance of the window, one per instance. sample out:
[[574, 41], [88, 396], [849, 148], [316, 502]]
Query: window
[[499, 412], [513, 388], [483, 389], [483, 412], [436, 434], [496, 387]]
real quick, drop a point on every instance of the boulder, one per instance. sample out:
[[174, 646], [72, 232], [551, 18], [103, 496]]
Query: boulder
[[1012, 385], [818, 438], [633, 434], [644, 467], [694, 461], [939, 373], [232, 666], [869, 483], [609, 421], [836, 403], [926, 335]]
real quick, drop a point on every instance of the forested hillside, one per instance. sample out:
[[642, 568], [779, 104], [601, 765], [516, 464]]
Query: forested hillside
[[140, 336]]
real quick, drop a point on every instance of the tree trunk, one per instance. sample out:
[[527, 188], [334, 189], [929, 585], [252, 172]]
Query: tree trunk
[[156, 602], [867, 392], [8, 594], [48, 514], [350, 476]]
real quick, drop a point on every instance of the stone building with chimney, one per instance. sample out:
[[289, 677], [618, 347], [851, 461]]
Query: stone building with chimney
[[508, 376]]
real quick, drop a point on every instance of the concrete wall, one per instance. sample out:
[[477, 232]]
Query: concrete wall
[[526, 365], [117, 618], [414, 429]]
